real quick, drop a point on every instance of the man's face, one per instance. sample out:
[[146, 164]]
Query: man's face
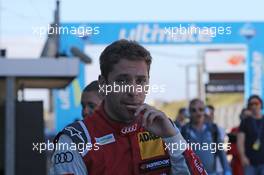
[[255, 105], [89, 102], [181, 116], [197, 112], [119, 103]]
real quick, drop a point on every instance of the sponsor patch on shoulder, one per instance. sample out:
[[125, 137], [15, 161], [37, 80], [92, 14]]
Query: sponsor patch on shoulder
[[109, 138], [154, 165], [150, 145]]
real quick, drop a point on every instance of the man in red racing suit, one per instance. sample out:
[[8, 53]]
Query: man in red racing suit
[[124, 136], [120, 149]]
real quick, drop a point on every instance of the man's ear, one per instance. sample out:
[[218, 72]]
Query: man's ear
[[101, 80]]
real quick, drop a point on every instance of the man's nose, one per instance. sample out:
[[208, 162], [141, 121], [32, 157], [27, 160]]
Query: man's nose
[[200, 113], [133, 89], [86, 110]]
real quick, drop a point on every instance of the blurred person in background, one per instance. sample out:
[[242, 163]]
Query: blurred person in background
[[209, 118], [236, 165], [209, 113], [181, 118], [199, 131], [250, 139], [90, 99]]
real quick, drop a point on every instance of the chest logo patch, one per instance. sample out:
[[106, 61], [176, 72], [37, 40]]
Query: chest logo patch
[[129, 129], [150, 145], [109, 138], [154, 165]]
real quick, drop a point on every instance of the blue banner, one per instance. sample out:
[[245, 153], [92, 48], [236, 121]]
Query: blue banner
[[67, 102]]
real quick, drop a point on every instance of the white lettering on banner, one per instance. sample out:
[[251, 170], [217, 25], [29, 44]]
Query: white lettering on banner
[[147, 33], [257, 73], [144, 33], [248, 31]]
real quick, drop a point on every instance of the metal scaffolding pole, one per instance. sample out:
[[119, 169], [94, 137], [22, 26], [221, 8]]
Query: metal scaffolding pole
[[10, 128]]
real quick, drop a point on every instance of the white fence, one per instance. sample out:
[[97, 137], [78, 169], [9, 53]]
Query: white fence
[[228, 116]]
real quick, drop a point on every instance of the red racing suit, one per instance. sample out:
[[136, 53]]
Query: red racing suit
[[114, 148]]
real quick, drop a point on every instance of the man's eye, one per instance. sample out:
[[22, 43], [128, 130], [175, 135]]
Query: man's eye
[[141, 81], [121, 81]]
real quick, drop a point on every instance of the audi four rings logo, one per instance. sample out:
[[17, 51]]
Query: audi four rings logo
[[63, 157], [129, 129]]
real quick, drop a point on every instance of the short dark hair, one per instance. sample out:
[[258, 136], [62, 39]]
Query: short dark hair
[[122, 49], [93, 86], [211, 107], [195, 100], [255, 97], [182, 111]]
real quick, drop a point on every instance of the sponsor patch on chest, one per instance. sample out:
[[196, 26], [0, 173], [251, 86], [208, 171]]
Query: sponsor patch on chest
[[150, 145], [109, 138], [154, 165]]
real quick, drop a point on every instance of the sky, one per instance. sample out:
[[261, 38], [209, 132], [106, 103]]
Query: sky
[[18, 17]]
